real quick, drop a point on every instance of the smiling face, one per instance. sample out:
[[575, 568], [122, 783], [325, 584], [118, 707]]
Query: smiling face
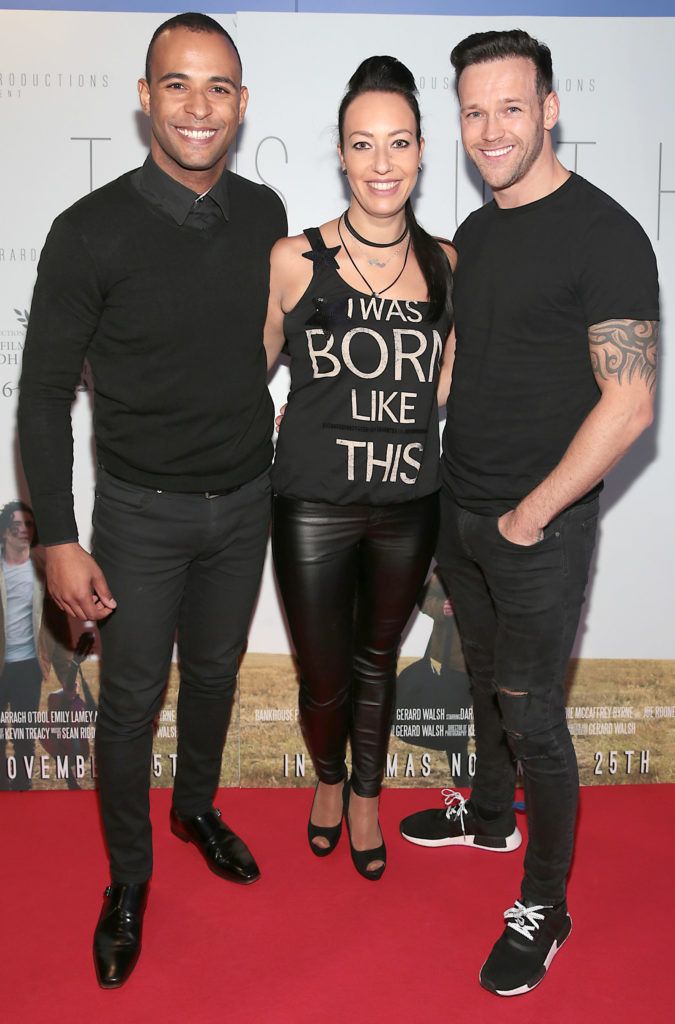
[[195, 102], [380, 152], [506, 128]]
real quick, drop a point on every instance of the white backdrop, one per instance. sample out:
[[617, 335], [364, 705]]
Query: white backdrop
[[70, 122]]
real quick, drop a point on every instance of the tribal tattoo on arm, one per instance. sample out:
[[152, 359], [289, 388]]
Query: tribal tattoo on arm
[[624, 351]]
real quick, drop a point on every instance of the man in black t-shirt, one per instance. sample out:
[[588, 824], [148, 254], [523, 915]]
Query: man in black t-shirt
[[556, 300], [160, 279]]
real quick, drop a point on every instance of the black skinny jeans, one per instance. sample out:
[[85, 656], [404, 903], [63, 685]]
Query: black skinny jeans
[[517, 610], [177, 564], [349, 576]]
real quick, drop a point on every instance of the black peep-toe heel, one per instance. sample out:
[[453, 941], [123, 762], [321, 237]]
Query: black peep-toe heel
[[331, 833], [362, 858]]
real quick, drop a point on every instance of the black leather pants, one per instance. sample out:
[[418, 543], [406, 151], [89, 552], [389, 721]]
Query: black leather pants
[[349, 576]]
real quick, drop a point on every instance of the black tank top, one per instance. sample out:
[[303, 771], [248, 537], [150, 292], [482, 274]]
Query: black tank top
[[362, 421]]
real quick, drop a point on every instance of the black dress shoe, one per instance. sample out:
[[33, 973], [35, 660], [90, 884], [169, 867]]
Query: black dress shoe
[[117, 939], [224, 852]]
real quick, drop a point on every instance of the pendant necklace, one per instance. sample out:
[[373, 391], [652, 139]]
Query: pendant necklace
[[381, 262], [375, 260], [381, 245]]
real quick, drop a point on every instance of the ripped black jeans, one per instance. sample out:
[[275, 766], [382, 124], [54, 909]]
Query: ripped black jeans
[[517, 610]]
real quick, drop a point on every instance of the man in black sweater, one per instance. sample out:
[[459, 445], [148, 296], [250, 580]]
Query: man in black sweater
[[160, 281]]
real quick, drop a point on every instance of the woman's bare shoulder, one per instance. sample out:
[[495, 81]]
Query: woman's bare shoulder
[[287, 250], [294, 245]]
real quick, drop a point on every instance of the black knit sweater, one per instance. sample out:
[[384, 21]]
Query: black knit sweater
[[170, 318]]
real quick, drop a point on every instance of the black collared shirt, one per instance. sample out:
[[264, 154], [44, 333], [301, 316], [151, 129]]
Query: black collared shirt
[[165, 295], [185, 206]]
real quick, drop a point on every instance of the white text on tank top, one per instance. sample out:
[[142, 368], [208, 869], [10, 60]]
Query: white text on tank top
[[411, 350]]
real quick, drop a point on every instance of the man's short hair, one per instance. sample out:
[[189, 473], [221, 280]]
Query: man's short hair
[[482, 47], [195, 23], [8, 511]]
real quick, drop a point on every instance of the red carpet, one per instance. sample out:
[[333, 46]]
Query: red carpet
[[312, 941]]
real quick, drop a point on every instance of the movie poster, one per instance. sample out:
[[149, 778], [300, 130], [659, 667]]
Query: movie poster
[[74, 74], [620, 714]]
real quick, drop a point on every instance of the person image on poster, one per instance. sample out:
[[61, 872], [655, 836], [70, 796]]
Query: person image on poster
[[364, 304], [437, 687], [455, 688], [160, 281], [556, 303], [33, 637]]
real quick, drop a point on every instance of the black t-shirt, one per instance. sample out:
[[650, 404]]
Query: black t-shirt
[[529, 283], [362, 418]]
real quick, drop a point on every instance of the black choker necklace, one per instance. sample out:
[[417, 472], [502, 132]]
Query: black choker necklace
[[365, 279], [364, 241]]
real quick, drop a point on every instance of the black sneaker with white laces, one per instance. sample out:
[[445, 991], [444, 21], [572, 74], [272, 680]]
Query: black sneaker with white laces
[[458, 825], [522, 955]]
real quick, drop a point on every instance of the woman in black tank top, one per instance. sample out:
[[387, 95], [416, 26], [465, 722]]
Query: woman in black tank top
[[363, 304]]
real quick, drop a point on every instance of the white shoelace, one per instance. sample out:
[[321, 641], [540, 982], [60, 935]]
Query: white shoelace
[[524, 920], [456, 805]]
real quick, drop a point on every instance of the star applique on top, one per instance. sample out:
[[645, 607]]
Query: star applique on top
[[329, 314], [323, 257]]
